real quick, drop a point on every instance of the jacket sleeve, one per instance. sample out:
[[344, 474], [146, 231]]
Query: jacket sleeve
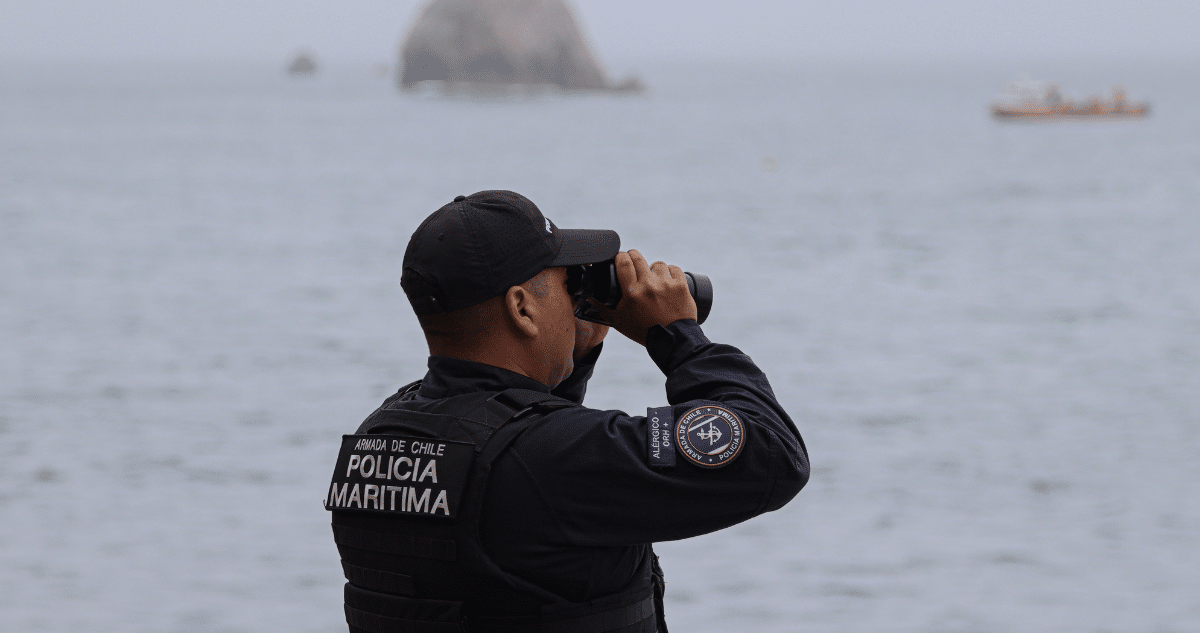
[[589, 472]]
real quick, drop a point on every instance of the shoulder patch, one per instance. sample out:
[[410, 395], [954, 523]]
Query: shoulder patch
[[710, 437]]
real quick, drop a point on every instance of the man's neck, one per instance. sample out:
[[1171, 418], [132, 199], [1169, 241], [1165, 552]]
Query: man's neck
[[503, 354]]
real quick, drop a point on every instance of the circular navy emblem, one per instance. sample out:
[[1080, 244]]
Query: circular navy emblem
[[709, 436]]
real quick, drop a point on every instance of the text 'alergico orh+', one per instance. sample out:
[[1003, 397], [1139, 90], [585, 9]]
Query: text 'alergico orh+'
[[400, 475]]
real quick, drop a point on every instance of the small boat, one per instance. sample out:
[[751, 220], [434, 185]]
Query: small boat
[[1041, 100]]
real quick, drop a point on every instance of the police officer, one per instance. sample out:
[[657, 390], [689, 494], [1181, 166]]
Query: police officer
[[486, 498]]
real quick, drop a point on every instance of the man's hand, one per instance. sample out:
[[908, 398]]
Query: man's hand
[[651, 294], [587, 336]]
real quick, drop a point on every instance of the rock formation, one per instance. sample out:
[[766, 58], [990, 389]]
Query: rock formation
[[302, 66], [497, 42]]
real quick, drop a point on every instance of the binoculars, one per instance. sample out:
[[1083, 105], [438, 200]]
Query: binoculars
[[599, 282]]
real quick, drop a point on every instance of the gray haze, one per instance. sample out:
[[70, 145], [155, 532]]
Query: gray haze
[[622, 30]]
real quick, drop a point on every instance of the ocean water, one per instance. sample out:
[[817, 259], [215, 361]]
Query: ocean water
[[989, 334]]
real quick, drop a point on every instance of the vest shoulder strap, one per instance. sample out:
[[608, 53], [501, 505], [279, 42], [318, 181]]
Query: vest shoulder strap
[[404, 391], [467, 418], [522, 399], [517, 410], [516, 398]]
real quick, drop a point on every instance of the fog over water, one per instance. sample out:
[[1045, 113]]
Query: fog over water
[[620, 30], [989, 334]]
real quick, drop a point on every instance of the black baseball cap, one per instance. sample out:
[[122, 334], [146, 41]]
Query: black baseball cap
[[479, 246]]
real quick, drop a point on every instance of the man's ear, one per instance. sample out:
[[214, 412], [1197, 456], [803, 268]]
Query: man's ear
[[521, 307]]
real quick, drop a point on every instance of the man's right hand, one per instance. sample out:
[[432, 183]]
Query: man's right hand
[[651, 294]]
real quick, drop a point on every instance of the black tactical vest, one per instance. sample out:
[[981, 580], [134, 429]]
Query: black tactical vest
[[406, 497]]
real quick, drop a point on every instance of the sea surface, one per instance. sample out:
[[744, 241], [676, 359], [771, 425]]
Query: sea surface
[[988, 333]]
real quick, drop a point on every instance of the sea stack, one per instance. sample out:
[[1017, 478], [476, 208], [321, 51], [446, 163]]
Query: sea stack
[[501, 42], [302, 66]]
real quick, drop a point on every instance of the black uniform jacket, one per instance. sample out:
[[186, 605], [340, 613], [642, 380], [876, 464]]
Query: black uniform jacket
[[573, 504]]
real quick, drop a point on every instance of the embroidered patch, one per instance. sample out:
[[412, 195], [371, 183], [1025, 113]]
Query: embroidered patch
[[710, 437], [400, 475], [658, 438]]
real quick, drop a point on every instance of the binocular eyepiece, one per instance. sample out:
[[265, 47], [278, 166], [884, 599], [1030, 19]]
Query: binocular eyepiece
[[599, 282]]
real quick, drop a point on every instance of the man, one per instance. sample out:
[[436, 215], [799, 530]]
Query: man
[[486, 498]]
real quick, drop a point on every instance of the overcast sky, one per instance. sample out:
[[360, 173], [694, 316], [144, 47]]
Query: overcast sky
[[621, 30]]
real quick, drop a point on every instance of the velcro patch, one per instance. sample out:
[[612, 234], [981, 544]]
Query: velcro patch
[[400, 475], [710, 437], [658, 438]]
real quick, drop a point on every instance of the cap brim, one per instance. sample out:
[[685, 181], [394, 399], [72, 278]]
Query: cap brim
[[586, 246]]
